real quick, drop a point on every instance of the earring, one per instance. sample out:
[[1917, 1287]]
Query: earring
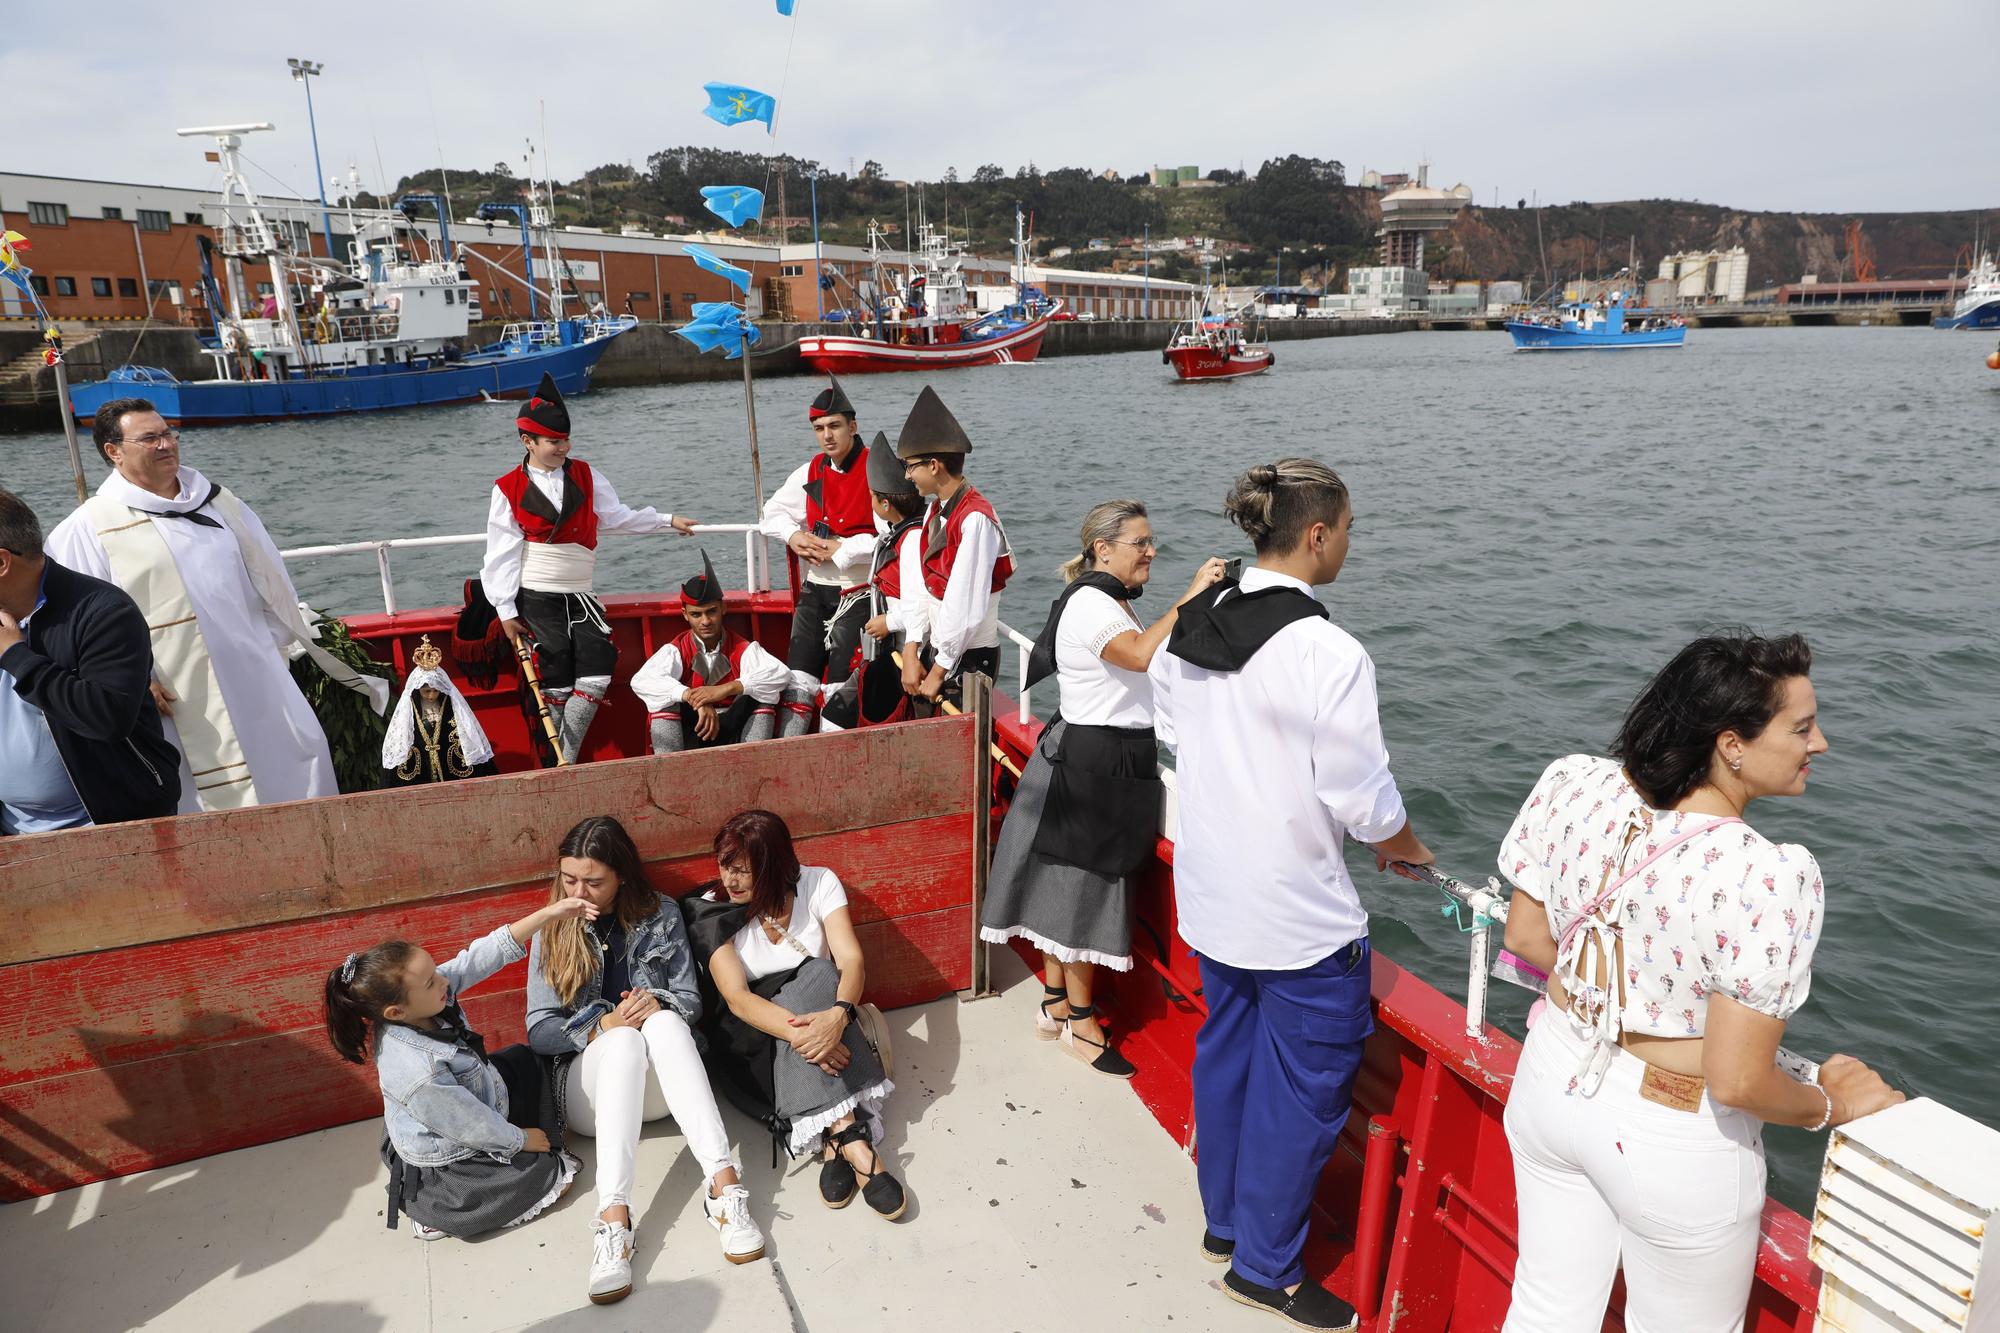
[[1736, 766]]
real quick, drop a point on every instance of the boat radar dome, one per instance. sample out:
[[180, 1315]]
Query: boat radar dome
[[931, 429], [831, 399], [546, 414], [885, 470]]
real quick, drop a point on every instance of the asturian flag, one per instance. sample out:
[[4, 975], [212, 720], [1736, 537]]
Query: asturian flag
[[732, 104], [719, 324], [721, 268], [734, 204]]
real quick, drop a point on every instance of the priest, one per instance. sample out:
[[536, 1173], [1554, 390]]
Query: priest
[[710, 685], [433, 736], [823, 515], [223, 614], [542, 525], [967, 560]]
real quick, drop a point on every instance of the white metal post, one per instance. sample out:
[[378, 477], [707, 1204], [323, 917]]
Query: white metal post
[[388, 581]]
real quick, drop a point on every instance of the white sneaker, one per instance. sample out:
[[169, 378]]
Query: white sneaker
[[610, 1262], [730, 1215], [422, 1232]]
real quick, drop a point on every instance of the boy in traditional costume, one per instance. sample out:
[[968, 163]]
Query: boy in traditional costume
[[433, 736], [966, 557], [823, 515], [898, 605], [542, 525], [710, 685]]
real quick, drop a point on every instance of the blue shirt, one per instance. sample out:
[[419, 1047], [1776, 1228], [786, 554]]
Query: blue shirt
[[36, 794]]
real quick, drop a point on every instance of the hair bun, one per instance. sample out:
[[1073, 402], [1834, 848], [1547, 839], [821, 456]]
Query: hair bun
[[1264, 474]]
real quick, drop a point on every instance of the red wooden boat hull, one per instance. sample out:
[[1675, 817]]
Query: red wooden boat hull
[[180, 1017], [1205, 363], [841, 354]]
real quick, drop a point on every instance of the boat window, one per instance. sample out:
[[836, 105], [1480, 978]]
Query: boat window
[[450, 296]]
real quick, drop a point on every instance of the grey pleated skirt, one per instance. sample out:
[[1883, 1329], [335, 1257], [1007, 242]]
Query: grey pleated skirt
[[1068, 912], [807, 1095]]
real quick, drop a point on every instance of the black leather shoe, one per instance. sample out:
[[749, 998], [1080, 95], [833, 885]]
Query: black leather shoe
[[1311, 1306], [1215, 1249]]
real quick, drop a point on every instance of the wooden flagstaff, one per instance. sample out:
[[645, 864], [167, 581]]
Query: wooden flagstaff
[[534, 679], [945, 704]]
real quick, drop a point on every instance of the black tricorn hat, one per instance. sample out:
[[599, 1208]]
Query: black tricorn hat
[[546, 414], [931, 429], [704, 587], [885, 470], [831, 399]]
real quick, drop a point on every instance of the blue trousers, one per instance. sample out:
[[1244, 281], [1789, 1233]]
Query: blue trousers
[[1274, 1068]]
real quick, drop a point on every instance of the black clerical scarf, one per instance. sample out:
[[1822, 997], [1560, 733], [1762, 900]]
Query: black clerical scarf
[[1222, 633], [203, 520], [1042, 661]]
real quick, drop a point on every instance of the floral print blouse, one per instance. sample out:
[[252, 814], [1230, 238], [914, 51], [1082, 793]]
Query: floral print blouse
[[1726, 912]]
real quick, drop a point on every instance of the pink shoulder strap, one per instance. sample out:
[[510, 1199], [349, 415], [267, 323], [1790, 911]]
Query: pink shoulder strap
[[1602, 898]]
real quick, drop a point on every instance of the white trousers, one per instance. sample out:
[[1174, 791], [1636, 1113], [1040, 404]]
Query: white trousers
[[1675, 1196], [632, 1075]]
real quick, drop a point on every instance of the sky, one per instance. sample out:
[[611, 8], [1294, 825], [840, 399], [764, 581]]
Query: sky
[[1828, 106]]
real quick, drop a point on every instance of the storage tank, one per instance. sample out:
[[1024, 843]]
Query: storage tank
[[1670, 266], [1739, 275], [1660, 292], [1693, 276]]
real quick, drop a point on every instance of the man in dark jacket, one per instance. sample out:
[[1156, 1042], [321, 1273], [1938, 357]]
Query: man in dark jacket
[[80, 735]]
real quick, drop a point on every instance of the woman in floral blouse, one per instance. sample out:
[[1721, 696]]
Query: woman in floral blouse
[[1678, 941]]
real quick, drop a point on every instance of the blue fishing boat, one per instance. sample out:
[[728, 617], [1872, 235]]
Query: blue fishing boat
[[1979, 307], [1590, 325], [385, 329]]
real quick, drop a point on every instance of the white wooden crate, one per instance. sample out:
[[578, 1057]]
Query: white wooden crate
[[1908, 1201]]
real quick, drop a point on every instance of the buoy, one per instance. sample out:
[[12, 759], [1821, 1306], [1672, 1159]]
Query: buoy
[[1993, 360]]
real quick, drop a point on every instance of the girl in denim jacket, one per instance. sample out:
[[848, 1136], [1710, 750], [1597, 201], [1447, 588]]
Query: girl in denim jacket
[[466, 1135], [617, 1001]]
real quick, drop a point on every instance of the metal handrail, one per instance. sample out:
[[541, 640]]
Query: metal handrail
[[755, 557]]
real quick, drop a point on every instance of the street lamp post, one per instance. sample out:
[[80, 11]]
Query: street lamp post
[[303, 71]]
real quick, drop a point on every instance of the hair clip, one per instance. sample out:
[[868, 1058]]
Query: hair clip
[[347, 968]]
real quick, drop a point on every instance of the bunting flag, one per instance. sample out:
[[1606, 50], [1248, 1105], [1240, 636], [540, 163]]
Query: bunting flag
[[734, 204], [20, 275], [731, 104], [10, 242], [721, 268], [719, 324]]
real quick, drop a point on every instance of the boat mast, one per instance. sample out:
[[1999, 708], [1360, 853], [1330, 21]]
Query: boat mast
[[258, 237]]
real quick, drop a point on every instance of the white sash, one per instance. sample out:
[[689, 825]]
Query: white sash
[[557, 566]]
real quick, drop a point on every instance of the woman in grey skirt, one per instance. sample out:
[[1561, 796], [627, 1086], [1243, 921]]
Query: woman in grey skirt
[[1087, 810], [784, 959]]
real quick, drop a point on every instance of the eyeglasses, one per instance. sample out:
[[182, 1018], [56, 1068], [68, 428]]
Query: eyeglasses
[[1143, 544], [167, 436]]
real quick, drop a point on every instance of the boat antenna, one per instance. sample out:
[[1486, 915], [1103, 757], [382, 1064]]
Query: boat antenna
[[437, 138]]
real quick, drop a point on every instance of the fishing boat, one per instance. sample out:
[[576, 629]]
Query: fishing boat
[[1609, 324], [1979, 307], [177, 1019], [928, 321], [1217, 347], [384, 329]]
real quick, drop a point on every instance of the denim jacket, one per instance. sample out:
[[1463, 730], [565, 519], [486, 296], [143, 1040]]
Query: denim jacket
[[441, 1103], [657, 953]]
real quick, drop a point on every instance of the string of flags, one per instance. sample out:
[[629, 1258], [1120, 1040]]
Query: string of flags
[[723, 323], [12, 243]]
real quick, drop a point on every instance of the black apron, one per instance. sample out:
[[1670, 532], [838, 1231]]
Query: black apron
[[1102, 813]]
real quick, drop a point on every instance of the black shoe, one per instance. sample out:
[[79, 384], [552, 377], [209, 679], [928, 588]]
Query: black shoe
[[836, 1181], [883, 1191], [1215, 1249], [1311, 1306], [1106, 1060]]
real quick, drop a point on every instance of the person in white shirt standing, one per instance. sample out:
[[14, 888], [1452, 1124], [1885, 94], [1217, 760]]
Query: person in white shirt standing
[[1270, 710], [542, 523], [823, 515], [224, 617]]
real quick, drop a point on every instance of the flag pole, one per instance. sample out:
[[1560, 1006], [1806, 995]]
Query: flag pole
[[53, 336]]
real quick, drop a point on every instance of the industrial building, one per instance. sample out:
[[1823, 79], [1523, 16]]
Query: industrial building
[[1694, 277], [1414, 211], [104, 251]]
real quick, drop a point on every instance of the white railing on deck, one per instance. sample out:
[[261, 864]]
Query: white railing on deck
[[756, 558]]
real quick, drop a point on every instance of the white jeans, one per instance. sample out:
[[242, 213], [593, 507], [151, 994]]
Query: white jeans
[[1675, 1195], [631, 1075]]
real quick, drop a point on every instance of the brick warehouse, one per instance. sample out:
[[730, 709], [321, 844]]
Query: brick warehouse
[[104, 251]]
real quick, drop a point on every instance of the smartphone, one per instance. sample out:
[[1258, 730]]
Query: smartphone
[[1233, 569]]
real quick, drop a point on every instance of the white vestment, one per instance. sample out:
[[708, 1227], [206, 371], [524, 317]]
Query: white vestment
[[280, 737]]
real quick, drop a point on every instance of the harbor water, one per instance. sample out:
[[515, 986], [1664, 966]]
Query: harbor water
[[1534, 535]]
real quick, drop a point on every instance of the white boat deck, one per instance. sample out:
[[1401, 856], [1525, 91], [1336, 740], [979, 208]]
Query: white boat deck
[[1040, 1193]]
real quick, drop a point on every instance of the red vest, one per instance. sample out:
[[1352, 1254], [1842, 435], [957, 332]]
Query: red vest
[[888, 579], [839, 499], [575, 525], [733, 644], [940, 555]]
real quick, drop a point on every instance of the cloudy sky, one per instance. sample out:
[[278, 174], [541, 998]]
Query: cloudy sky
[[1832, 105]]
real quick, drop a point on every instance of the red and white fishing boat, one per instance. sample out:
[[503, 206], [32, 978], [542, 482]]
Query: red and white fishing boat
[[1218, 347], [161, 983], [931, 323]]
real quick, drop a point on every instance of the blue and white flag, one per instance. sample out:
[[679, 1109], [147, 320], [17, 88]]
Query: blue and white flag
[[721, 268], [719, 324], [734, 204], [732, 104], [785, 7]]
